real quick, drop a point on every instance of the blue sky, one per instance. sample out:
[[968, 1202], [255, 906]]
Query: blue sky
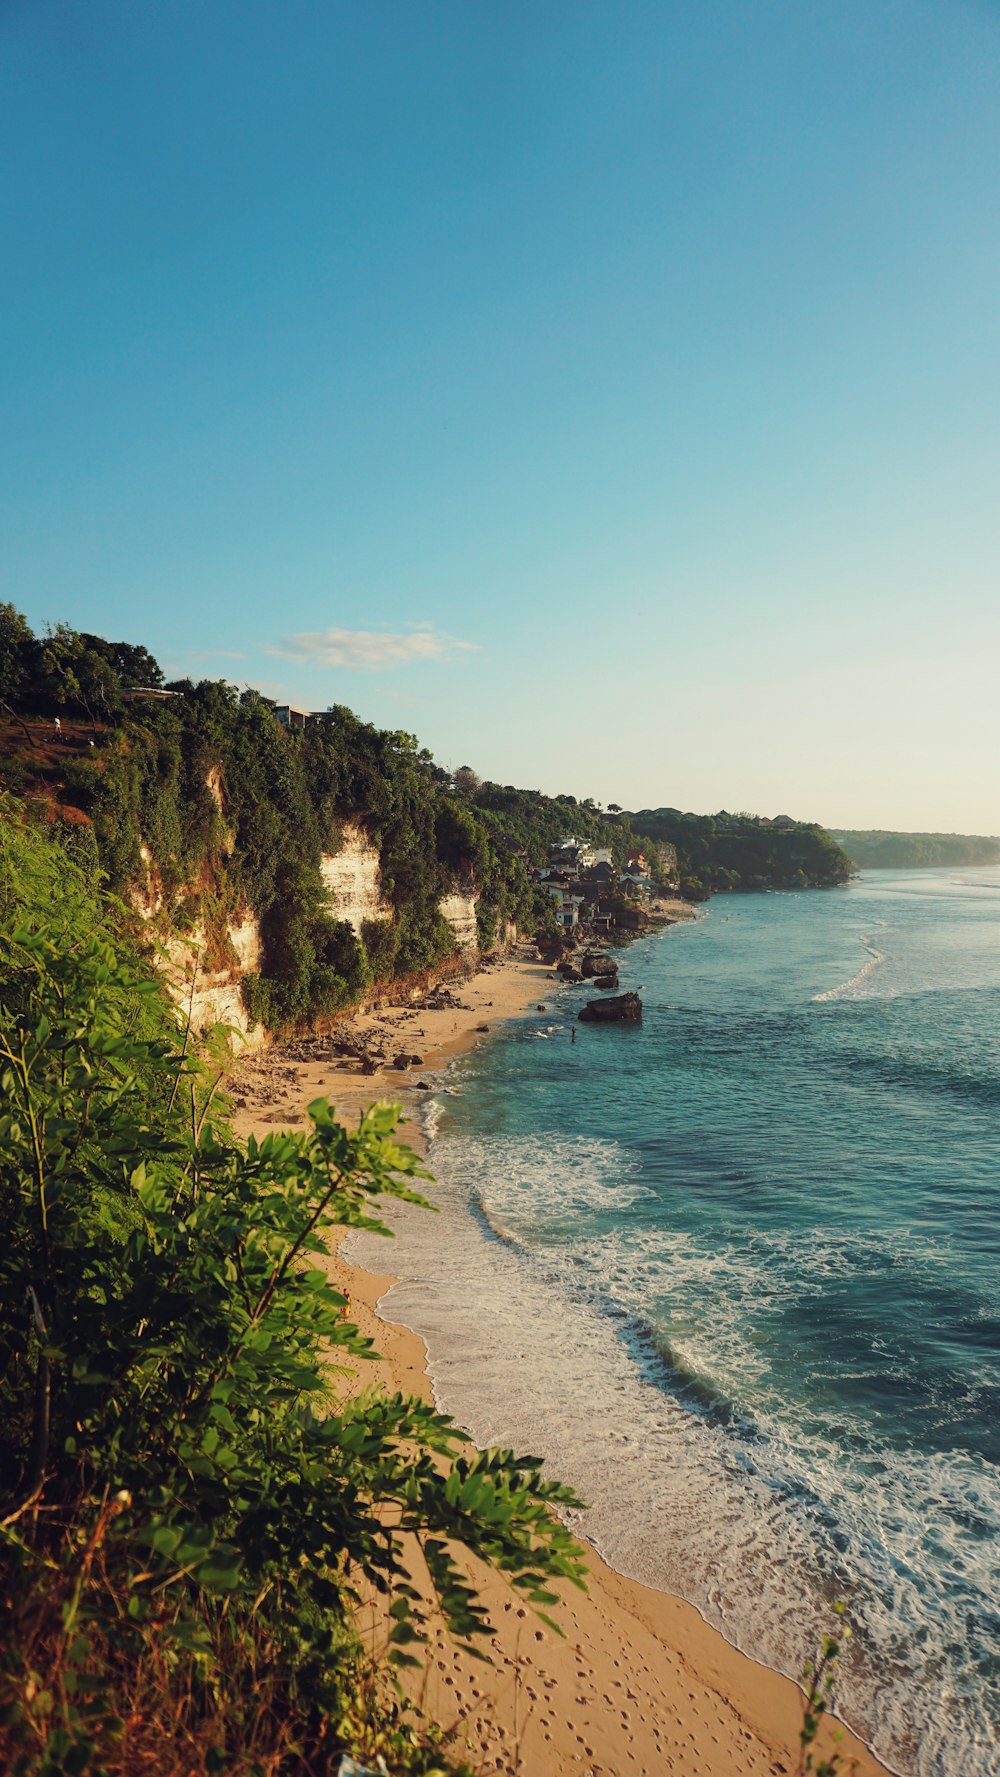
[[609, 394]]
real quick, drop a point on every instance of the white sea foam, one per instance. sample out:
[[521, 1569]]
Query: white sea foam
[[988, 883], [528, 1309], [431, 1112], [856, 986]]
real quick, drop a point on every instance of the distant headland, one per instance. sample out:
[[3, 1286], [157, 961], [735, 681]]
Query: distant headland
[[875, 850]]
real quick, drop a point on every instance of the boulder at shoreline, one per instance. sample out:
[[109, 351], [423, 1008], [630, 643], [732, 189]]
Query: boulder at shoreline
[[625, 1008], [598, 962]]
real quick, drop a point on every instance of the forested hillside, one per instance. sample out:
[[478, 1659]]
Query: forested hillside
[[874, 850], [726, 851], [203, 811], [202, 805]]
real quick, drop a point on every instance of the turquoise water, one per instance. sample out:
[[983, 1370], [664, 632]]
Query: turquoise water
[[736, 1274]]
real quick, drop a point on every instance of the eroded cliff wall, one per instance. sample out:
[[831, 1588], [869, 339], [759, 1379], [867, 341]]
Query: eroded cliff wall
[[460, 912], [211, 992], [354, 880], [212, 995]]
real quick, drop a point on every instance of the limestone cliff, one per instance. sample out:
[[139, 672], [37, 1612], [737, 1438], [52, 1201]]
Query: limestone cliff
[[205, 972], [460, 912], [207, 987], [353, 879]]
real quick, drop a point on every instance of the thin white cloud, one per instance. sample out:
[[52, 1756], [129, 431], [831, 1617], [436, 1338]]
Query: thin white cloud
[[367, 649]]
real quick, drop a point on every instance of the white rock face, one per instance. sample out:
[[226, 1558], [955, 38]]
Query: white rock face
[[216, 998], [354, 880], [460, 912], [245, 940], [213, 784], [150, 899]]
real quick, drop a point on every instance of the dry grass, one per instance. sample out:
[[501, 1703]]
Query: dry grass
[[89, 1685]]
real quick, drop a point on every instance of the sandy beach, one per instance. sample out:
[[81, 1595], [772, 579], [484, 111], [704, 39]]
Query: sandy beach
[[640, 1684]]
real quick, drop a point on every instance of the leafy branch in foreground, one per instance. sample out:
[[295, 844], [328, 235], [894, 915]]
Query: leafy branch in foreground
[[186, 1507], [819, 1679]]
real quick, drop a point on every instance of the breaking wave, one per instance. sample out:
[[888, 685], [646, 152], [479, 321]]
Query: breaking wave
[[736, 1279], [853, 988]]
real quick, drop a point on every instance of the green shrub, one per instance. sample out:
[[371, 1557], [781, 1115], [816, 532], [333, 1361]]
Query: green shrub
[[82, 780], [184, 1492], [79, 843], [380, 942]]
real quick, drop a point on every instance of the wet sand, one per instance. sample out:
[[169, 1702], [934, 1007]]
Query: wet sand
[[640, 1684]]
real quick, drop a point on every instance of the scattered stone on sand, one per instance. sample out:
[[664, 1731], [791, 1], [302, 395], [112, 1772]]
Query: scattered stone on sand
[[404, 1060]]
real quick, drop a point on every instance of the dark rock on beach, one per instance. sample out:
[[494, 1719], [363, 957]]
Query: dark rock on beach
[[550, 949], [597, 962], [568, 972], [626, 1008]]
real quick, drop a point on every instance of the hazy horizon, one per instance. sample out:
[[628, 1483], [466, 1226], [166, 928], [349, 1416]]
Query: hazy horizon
[[609, 398]]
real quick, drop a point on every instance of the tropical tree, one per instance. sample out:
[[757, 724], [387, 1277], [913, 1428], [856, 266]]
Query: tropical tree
[[15, 641]]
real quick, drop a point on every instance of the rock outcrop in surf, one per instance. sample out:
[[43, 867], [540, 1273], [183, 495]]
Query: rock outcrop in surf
[[624, 1008]]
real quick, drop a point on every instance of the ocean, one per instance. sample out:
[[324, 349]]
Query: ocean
[[735, 1274]]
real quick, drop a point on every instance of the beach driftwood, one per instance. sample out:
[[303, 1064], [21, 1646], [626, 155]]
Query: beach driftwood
[[625, 1008]]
